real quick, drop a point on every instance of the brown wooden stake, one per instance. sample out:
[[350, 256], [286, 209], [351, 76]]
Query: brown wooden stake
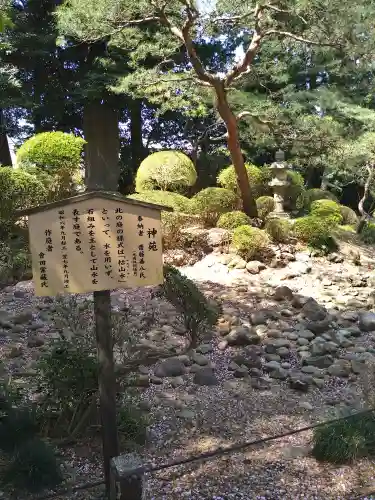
[[106, 380]]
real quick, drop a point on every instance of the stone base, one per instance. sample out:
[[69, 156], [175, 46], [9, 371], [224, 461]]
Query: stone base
[[278, 215]]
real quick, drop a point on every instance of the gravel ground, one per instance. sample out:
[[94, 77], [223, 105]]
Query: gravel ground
[[188, 419]]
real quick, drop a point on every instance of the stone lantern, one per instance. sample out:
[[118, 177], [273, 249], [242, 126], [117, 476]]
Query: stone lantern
[[279, 184]]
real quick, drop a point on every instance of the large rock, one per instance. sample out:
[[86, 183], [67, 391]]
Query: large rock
[[313, 311], [319, 326], [205, 376], [172, 367], [319, 361], [218, 236], [341, 368], [254, 267], [283, 293], [242, 335], [367, 321]]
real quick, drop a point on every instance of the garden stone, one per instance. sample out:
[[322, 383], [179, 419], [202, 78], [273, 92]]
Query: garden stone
[[35, 341], [287, 313], [222, 345], [272, 357], [172, 367], [241, 372], [341, 368], [313, 311], [299, 301], [259, 318], [255, 372], [241, 336], [184, 358], [23, 317], [319, 361], [19, 294], [277, 343], [311, 370], [291, 336], [199, 359], [275, 334], [305, 405], [223, 328], [286, 366], [205, 376], [349, 316], [283, 352], [330, 347], [36, 325], [177, 381], [299, 383], [18, 329], [279, 374], [233, 366], [357, 366], [352, 331], [217, 236], [319, 326], [283, 293], [15, 352], [204, 349], [367, 321], [241, 264], [271, 365], [250, 358], [306, 334], [254, 267], [319, 382], [302, 341]]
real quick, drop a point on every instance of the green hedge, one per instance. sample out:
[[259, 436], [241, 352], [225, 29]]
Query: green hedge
[[314, 231], [227, 179], [278, 229], [211, 202], [327, 209], [231, 220], [166, 170], [174, 200]]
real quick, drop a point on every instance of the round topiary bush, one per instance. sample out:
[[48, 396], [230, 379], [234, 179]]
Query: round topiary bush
[[166, 170], [314, 231], [250, 242], [265, 205], [211, 202], [227, 178], [51, 151], [18, 190], [231, 220], [327, 209], [174, 200], [278, 229], [349, 217], [315, 194]]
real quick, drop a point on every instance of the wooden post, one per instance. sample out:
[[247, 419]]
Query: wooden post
[[106, 380], [102, 172]]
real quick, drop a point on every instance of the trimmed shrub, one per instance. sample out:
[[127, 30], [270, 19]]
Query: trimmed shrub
[[265, 205], [55, 159], [18, 190], [278, 229], [349, 217], [51, 151], [166, 170], [172, 223], [197, 313], [211, 202], [315, 194], [313, 231], [15, 263], [345, 440], [231, 220], [174, 200], [227, 179], [250, 242], [327, 209]]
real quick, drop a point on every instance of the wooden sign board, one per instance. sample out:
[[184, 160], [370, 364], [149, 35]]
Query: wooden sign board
[[94, 242]]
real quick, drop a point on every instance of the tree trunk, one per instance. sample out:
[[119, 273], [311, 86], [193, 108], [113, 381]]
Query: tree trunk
[[5, 156], [100, 128], [361, 204], [230, 120], [136, 133]]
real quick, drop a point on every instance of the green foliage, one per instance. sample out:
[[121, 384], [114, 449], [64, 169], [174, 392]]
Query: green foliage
[[227, 179], [15, 262], [349, 217], [231, 220], [278, 229], [28, 464], [174, 200], [250, 242], [368, 233], [18, 190], [197, 313], [265, 205], [345, 440], [295, 189], [315, 194], [68, 382], [54, 158], [314, 231], [172, 224], [166, 170], [211, 202], [33, 467], [327, 209], [131, 424], [52, 151]]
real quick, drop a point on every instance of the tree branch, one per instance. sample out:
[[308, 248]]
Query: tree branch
[[288, 34], [256, 118], [249, 56]]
